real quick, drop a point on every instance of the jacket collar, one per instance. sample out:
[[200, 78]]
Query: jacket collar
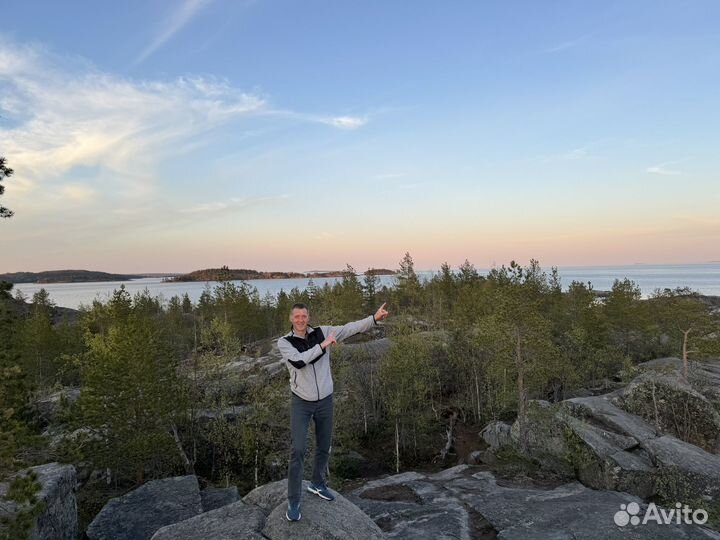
[[309, 331]]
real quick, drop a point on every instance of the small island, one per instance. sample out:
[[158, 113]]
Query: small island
[[65, 276], [379, 272], [232, 274], [245, 274]]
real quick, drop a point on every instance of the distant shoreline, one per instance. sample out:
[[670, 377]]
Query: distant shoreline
[[66, 276], [210, 274], [220, 274], [701, 278]]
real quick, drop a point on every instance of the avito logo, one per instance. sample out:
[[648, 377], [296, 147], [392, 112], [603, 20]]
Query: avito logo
[[629, 515]]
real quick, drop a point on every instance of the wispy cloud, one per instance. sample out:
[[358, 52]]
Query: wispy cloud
[[347, 122], [65, 114], [342, 122], [663, 168], [569, 44], [172, 25], [235, 203], [61, 114]]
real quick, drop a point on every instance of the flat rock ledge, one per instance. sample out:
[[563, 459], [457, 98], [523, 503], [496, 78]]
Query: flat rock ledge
[[464, 503], [261, 516], [176, 509], [137, 515]]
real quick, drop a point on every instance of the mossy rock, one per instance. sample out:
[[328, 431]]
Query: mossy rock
[[544, 441], [665, 399], [673, 485]]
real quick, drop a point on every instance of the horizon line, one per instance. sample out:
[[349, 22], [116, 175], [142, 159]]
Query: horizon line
[[432, 269]]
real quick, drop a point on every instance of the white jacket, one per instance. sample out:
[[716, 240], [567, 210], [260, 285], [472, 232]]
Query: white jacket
[[309, 363]]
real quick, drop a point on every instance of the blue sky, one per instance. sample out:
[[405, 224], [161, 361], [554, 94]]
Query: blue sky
[[171, 136]]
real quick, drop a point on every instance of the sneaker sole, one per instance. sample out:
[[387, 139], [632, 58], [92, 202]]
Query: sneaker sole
[[317, 492], [288, 517]]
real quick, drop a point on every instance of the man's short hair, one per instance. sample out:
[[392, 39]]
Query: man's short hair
[[299, 305]]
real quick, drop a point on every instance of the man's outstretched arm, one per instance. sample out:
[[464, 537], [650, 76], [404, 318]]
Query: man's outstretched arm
[[352, 328]]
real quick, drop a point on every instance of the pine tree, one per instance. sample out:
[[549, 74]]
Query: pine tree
[[187, 306], [624, 315], [15, 431], [408, 378], [685, 316], [447, 285], [14, 389], [132, 396], [467, 273], [370, 287], [349, 295], [408, 285], [517, 337], [5, 172], [39, 341]]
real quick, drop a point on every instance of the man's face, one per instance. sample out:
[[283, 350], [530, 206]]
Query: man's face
[[299, 319]]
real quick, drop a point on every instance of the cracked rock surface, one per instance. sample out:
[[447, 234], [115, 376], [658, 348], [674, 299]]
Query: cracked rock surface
[[467, 503]]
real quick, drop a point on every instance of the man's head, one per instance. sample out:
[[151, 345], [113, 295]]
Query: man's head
[[299, 318]]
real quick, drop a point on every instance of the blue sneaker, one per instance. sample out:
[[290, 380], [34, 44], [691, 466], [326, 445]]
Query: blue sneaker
[[321, 491], [293, 512]]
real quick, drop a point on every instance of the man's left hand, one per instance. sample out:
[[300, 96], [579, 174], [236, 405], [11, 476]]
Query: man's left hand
[[381, 313]]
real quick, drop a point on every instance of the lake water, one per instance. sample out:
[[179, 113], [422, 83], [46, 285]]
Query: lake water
[[704, 278]]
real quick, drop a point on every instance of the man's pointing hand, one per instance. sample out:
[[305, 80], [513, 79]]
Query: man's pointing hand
[[381, 313], [330, 340]]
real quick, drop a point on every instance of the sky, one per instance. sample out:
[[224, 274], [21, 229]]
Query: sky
[[170, 136]]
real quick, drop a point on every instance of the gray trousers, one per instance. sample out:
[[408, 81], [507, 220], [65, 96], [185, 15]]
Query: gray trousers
[[301, 412]]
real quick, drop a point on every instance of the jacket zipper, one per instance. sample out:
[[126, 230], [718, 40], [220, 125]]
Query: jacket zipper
[[316, 383]]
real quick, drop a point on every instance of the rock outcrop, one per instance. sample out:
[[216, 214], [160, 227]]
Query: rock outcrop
[[497, 434], [688, 409], [461, 503], [466, 503], [213, 498], [138, 514], [58, 519], [601, 441], [606, 447], [322, 520], [175, 509], [236, 521], [333, 520]]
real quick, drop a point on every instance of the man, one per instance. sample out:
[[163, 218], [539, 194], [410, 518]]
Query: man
[[306, 351]]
